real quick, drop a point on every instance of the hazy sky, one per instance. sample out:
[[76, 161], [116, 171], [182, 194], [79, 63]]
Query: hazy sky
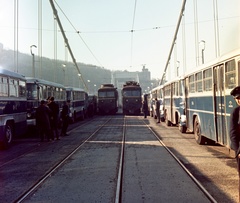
[[105, 38]]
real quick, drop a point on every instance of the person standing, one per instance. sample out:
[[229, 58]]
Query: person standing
[[65, 117], [43, 114], [235, 129], [54, 118], [235, 122], [145, 106], [90, 109], [157, 110]]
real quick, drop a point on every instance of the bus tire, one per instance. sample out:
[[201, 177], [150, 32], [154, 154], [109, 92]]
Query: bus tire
[[197, 132], [8, 136]]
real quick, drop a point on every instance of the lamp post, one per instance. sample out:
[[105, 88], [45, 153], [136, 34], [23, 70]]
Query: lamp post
[[94, 89], [64, 74], [79, 75], [203, 48], [33, 60], [88, 85]]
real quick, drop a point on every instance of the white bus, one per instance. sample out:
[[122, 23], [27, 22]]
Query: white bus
[[13, 106], [79, 102]]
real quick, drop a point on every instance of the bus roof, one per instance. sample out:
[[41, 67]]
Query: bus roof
[[156, 88], [214, 62], [43, 82], [75, 89], [9, 73]]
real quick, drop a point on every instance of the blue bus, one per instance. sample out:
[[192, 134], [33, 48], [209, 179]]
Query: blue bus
[[13, 106], [173, 103], [79, 102], [208, 102], [39, 89]]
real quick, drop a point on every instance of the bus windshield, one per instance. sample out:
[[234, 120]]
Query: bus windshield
[[32, 91]]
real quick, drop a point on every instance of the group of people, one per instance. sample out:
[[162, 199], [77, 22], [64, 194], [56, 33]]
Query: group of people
[[146, 110], [47, 119]]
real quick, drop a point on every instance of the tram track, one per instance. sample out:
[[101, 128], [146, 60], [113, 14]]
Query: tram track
[[14, 165], [35, 147], [203, 189], [129, 136], [58, 165], [62, 162], [121, 166]]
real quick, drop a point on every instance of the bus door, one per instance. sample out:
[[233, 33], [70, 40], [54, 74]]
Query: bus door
[[186, 102], [219, 104], [172, 102]]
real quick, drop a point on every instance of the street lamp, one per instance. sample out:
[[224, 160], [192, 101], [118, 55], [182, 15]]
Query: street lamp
[[64, 74], [94, 89], [88, 86], [33, 60], [203, 48], [79, 77]]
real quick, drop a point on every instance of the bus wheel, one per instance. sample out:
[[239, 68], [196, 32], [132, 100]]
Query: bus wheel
[[8, 136], [197, 133]]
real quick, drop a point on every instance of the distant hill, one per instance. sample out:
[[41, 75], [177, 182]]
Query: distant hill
[[54, 71]]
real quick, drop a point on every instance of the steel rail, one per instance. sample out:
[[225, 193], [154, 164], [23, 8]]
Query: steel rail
[[121, 162]]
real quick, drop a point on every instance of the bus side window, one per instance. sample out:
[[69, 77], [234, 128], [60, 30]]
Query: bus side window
[[22, 89], [13, 88], [230, 74], [3, 87]]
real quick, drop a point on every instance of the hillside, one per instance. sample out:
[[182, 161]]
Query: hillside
[[55, 71]]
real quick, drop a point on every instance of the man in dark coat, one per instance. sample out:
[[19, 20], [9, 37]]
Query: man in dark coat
[[65, 118], [235, 129], [157, 109], [54, 118], [235, 121], [235, 125], [145, 106], [43, 114]]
